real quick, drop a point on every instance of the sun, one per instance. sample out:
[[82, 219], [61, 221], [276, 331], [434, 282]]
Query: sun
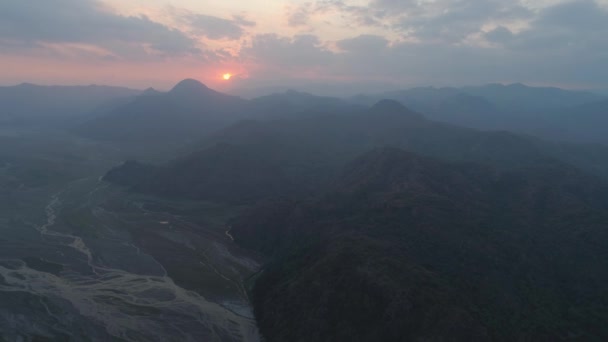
[[227, 77]]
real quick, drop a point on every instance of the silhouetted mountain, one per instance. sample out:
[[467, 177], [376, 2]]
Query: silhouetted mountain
[[521, 98], [300, 154], [419, 99], [586, 123], [516, 107], [190, 110], [407, 248], [291, 102], [34, 104], [151, 92]]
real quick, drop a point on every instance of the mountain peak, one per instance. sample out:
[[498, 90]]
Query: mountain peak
[[150, 92], [391, 107], [517, 85], [189, 86]]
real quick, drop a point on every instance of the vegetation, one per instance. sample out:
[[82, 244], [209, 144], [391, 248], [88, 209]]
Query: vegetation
[[409, 248]]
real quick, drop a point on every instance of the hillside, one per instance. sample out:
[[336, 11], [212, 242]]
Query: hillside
[[473, 235], [409, 248]]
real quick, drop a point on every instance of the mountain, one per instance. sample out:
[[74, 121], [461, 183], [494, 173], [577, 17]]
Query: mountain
[[292, 102], [407, 248], [586, 123], [257, 160], [537, 111], [34, 104], [190, 110], [471, 235], [521, 98]]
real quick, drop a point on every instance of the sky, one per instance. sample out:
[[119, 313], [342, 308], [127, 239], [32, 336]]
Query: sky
[[323, 45]]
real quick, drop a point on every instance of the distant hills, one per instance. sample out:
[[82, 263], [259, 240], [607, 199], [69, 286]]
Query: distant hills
[[255, 159], [550, 113], [521, 98], [33, 104], [191, 111]]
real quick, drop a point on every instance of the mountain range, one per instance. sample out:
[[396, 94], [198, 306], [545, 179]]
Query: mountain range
[[39, 105], [257, 159], [191, 111], [550, 113], [381, 224]]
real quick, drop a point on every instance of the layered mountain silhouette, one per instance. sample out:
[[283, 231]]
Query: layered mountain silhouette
[[300, 153], [40, 105], [383, 225], [550, 113], [189, 110], [295, 103]]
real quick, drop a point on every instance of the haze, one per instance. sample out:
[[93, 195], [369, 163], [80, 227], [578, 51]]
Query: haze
[[302, 171]]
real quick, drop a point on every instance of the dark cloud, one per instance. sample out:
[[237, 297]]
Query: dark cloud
[[363, 44], [445, 41], [214, 27], [570, 28], [582, 15], [300, 51], [500, 34], [357, 15], [87, 22], [451, 21]]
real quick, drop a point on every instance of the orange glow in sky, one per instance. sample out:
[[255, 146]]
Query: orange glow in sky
[[227, 76]]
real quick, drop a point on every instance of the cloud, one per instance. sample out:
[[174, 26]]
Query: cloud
[[449, 21], [300, 51], [87, 22], [215, 28], [407, 42], [500, 34], [300, 15], [574, 28], [363, 44], [582, 15]]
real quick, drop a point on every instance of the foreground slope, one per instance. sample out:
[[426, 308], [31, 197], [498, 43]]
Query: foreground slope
[[408, 248], [505, 239]]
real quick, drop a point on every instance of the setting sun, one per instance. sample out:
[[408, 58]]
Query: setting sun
[[227, 77]]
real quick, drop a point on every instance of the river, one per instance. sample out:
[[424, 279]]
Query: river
[[55, 284]]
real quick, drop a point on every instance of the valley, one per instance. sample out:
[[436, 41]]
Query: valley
[[80, 261]]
